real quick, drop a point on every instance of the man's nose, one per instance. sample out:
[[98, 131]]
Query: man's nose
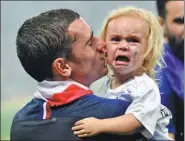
[[101, 48]]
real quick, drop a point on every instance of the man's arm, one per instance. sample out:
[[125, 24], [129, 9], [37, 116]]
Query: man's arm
[[167, 99]]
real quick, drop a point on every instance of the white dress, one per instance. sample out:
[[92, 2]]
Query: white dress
[[145, 105]]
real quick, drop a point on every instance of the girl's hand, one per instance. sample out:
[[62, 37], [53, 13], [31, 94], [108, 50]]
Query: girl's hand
[[87, 127]]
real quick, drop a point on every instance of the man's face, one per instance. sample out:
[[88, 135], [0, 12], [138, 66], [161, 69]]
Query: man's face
[[174, 27], [87, 62], [174, 22]]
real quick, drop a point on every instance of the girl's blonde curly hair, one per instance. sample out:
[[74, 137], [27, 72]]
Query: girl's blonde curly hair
[[154, 51]]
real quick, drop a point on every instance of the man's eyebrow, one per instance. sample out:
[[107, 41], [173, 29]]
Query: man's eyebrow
[[90, 37]]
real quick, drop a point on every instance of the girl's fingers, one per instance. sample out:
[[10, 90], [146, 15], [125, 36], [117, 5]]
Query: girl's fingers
[[79, 127], [80, 132], [83, 135], [79, 122]]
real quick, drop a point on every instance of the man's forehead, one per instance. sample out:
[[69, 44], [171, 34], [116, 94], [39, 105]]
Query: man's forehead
[[175, 8], [82, 20], [78, 26]]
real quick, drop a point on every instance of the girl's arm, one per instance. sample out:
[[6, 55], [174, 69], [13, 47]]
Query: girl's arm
[[126, 124]]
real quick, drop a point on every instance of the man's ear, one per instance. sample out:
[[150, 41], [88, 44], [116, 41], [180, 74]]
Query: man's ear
[[61, 68], [163, 25], [160, 19]]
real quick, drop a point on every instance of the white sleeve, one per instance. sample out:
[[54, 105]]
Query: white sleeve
[[146, 107]]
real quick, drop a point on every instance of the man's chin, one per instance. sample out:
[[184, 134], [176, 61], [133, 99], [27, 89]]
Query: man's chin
[[103, 73], [177, 46]]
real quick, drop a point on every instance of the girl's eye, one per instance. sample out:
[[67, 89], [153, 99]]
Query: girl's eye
[[115, 39], [134, 40]]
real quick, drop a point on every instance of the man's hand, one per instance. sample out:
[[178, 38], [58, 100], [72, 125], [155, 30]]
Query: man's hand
[[87, 127]]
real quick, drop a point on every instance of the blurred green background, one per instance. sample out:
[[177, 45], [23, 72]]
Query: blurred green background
[[8, 110]]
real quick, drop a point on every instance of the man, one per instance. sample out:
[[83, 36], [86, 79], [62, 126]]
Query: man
[[171, 14], [58, 49]]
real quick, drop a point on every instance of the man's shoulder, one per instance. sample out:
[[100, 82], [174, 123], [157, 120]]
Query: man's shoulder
[[30, 111], [170, 58], [100, 86]]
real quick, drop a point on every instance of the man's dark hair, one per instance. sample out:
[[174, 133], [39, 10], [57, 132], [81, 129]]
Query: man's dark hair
[[42, 39], [161, 8]]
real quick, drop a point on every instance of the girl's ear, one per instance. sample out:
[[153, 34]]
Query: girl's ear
[[148, 56]]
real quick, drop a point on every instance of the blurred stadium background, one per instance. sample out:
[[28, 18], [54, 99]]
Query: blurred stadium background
[[17, 87]]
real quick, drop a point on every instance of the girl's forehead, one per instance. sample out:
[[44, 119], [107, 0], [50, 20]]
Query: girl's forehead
[[128, 24]]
